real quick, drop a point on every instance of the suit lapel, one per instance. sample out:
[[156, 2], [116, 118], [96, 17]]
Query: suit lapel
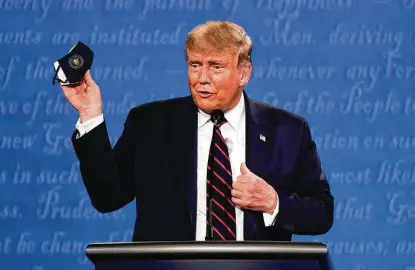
[[183, 131], [259, 141]]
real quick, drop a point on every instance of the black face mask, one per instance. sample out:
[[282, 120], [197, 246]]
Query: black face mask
[[71, 69]]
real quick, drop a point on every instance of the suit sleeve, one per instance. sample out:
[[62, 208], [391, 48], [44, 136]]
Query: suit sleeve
[[107, 172], [308, 210]]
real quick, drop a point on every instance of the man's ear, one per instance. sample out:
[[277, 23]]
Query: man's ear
[[245, 71]]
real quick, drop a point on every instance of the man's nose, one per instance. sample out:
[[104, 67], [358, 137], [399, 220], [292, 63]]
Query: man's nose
[[204, 76]]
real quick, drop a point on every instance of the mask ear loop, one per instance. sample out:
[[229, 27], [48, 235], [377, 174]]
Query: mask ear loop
[[55, 77]]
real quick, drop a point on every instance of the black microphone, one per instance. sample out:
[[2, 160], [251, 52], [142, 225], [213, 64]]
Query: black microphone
[[216, 115], [209, 231]]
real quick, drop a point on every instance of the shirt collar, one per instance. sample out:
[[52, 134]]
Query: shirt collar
[[233, 116]]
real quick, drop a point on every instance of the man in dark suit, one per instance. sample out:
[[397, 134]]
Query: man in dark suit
[[213, 165]]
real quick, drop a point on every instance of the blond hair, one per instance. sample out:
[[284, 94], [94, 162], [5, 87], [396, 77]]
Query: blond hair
[[220, 35]]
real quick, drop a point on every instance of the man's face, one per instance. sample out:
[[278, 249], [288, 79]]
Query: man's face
[[214, 79]]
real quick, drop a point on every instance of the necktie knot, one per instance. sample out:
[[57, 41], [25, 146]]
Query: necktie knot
[[218, 118]]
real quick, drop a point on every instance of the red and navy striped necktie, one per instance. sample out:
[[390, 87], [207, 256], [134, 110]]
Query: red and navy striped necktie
[[219, 185]]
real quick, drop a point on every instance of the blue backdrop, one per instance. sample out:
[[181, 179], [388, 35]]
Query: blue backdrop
[[347, 66]]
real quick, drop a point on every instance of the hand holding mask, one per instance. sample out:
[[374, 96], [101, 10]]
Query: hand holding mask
[[73, 74]]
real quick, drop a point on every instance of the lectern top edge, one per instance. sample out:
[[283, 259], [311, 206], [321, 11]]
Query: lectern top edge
[[206, 250]]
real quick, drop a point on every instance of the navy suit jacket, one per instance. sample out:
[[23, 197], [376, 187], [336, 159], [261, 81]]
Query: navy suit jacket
[[155, 162]]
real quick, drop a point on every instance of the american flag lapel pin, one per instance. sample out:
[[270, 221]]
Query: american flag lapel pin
[[262, 137]]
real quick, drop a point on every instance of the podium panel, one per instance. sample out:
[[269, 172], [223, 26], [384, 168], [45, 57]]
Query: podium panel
[[210, 264], [209, 255]]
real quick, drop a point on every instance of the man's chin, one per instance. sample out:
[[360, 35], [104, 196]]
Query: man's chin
[[206, 105]]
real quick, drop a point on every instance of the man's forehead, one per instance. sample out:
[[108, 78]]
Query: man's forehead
[[209, 53]]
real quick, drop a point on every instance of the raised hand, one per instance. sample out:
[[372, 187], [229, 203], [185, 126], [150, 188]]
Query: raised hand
[[85, 98]]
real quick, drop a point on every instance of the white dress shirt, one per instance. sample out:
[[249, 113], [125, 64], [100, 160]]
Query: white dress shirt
[[234, 134]]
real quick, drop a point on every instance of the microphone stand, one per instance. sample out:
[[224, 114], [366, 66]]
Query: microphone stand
[[209, 232]]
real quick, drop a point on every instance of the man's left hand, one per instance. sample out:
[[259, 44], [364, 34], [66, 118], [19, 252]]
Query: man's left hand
[[252, 192]]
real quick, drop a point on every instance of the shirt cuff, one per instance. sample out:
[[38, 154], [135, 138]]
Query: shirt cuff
[[269, 219], [89, 125]]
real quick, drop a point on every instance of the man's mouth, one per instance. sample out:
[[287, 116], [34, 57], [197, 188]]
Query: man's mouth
[[205, 94]]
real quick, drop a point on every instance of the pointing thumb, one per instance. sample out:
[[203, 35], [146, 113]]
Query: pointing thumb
[[244, 169]]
